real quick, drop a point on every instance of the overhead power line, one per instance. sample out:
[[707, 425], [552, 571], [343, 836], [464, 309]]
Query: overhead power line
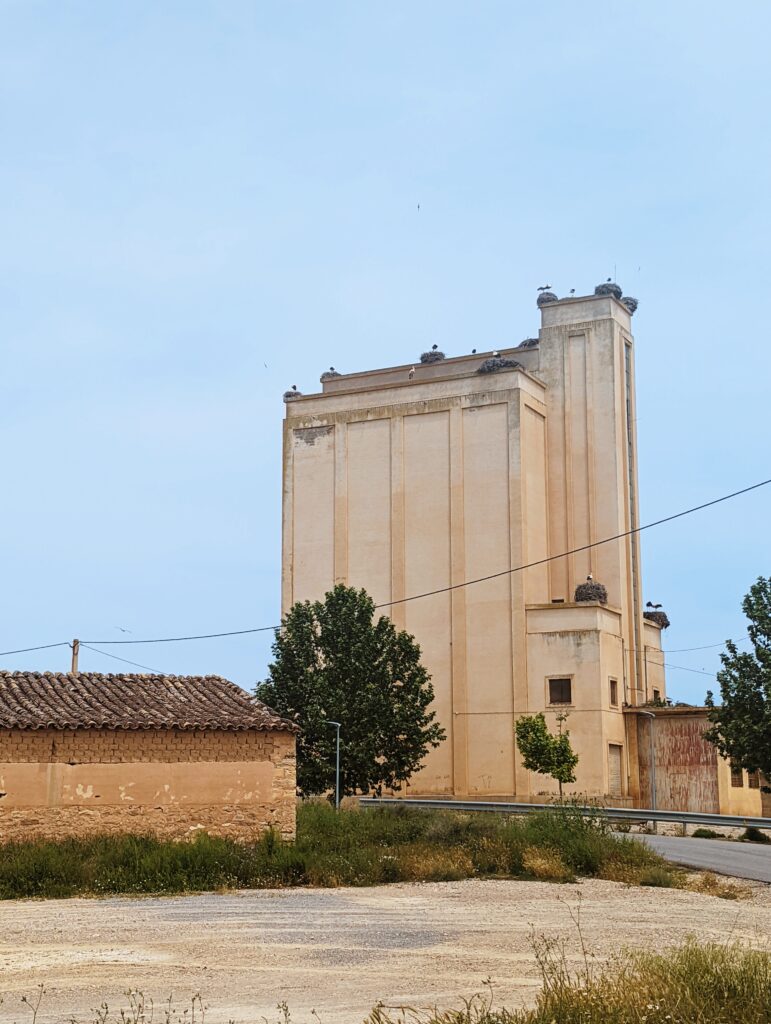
[[41, 647], [682, 668], [115, 657], [440, 590], [706, 647], [178, 639], [575, 551]]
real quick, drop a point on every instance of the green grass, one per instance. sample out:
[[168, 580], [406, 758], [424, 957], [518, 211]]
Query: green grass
[[754, 835], [347, 848], [706, 833]]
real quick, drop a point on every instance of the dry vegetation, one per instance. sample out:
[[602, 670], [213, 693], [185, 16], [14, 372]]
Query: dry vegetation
[[348, 848], [692, 984]]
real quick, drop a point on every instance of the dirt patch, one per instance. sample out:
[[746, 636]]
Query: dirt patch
[[336, 951]]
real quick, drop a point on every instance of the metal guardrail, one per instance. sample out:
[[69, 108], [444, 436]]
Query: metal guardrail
[[612, 813]]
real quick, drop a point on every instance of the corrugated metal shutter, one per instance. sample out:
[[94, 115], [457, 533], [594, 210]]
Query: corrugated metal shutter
[[614, 769]]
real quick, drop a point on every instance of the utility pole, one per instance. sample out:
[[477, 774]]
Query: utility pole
[[75, 651], [337, 766]]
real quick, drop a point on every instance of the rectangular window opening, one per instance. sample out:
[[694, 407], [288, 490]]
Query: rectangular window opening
[[737, 777], [657, 695], [560, 691], [614, 693], [753, 780]]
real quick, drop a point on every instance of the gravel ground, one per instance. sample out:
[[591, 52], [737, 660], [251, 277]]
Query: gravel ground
[[336, 951]]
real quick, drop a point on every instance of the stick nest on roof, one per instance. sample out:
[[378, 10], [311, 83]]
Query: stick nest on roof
[[608, 288], [660, 618], [528, 343], [545, 298], [289, 396], [434, 356], [496, 363], [591, 590], [329, 375], [630, 303]]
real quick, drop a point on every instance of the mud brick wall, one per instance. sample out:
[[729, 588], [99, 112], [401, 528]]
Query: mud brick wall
[[170, 782]]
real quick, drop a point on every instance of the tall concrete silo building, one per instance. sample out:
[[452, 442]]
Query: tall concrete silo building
[[439, 478]]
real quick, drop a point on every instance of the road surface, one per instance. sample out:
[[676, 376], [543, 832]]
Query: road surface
[[742, 860], [336, 950]]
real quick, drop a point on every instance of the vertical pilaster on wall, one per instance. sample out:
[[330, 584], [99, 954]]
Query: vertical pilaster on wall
[[341, 504], [554, 368], [287, 522], [519, 680], [458, 607], [397, 612]]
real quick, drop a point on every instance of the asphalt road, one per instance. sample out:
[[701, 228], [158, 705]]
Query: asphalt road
[[742, 860]]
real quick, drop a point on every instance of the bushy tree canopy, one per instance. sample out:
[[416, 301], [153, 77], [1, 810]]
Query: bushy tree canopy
[[741, 725], [333, 661], [543, 753]]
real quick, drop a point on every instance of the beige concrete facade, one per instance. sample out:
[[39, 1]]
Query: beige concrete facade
[[413, 480], [60, 783]]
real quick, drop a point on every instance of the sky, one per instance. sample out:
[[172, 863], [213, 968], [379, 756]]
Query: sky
[[202, 203]]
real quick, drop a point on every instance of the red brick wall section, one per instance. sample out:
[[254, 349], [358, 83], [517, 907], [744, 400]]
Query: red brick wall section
[[243, 821]]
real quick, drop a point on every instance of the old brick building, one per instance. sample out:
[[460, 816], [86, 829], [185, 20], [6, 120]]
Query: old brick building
[[84, 752]]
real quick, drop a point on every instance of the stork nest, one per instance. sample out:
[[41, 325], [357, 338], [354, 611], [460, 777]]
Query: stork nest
[[591, 590], [630, 303], [434, 356], [544, 298], [528, 343], [329, 374], [289, 396], [660, 618], [608, 288], [496, 363]]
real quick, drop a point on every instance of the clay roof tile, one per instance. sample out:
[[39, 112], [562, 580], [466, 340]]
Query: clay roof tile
[[92, 700]]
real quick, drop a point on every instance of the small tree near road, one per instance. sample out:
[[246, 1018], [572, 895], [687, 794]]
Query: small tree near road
[[543, 753], [332, 660], [741, 724]]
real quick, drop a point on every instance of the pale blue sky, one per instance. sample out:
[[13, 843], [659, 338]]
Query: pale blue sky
[[190, 191]]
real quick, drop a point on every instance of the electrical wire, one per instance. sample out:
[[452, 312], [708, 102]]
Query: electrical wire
[[682, 668], [177, 639], [575, 551], [115, 657], [706, 647], [42, 647], [443, 590]]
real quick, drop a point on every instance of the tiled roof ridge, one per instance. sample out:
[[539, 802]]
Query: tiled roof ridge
[[77, 700]]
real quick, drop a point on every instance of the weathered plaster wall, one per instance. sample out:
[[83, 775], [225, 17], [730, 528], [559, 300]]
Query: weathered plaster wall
[[686, 765], [690, 774], [171, 782]]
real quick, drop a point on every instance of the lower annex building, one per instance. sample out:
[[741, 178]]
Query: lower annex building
[[86, 752], [424, 478]]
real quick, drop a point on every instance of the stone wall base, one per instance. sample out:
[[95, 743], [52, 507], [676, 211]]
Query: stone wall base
[[242, 822]]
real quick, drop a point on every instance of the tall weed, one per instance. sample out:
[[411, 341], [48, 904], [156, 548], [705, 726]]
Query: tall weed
[[348, 847]]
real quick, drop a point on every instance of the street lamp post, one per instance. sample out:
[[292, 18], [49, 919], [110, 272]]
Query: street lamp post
[[652, 717], [337, 765]]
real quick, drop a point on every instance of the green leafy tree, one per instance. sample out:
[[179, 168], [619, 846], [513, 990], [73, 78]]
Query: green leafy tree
[[741, 724], [543, 753], [333, 661]]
